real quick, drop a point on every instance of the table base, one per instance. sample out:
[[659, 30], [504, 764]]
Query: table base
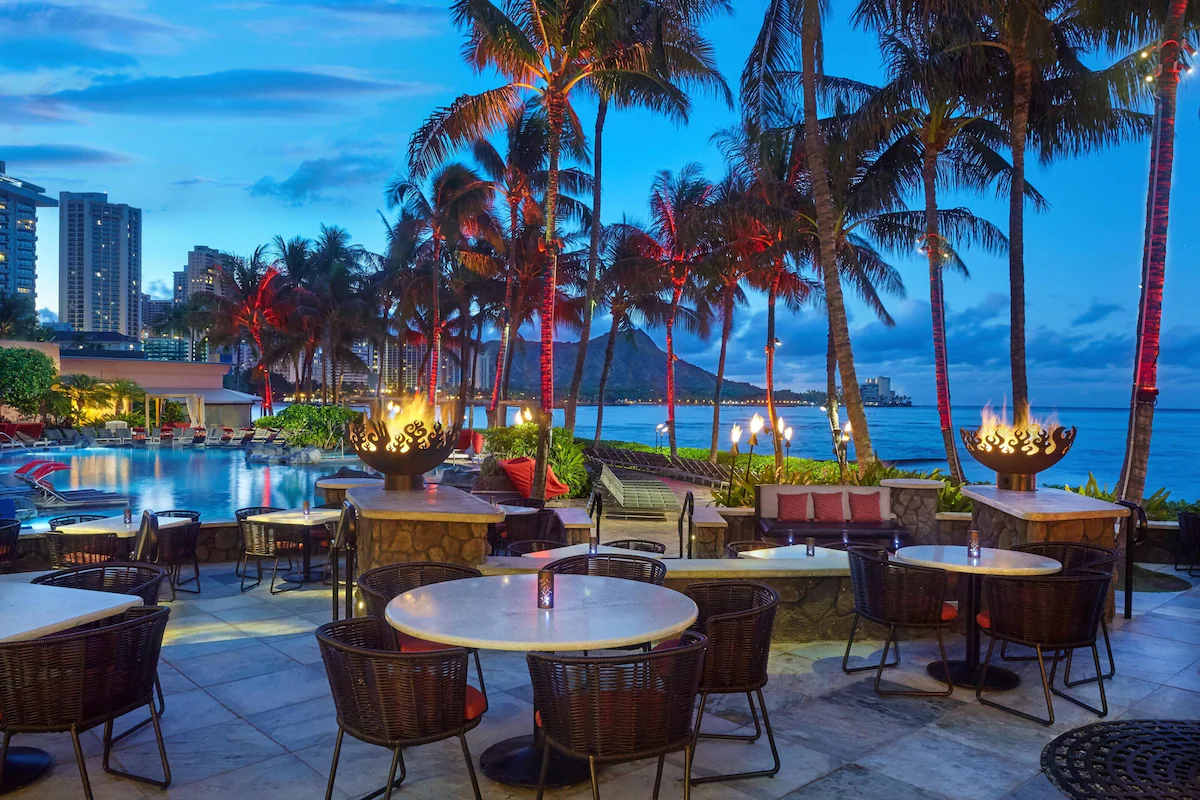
[[967, 676], [518, 762], [23, 766], [314, 575]]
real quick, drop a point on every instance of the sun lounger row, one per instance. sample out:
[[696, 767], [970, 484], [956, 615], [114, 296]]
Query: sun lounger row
[[693, 470], [197, 437], [35, 475]]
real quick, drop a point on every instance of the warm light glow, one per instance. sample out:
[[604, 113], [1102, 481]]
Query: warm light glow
[[996, 427], [528, 415], [398, 416], [787, 434], [735, 435], [779, 424], [756, 423]]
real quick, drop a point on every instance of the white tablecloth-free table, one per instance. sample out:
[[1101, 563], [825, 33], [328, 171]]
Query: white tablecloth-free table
[[295, 516], [118, 525], [28, 611], [582, 550], [799, 551]]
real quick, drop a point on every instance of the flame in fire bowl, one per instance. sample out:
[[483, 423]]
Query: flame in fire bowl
[[1017, 454], [418, 445]]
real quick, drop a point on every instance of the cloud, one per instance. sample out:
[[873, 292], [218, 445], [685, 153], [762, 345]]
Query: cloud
[[1097, 312], [83, 30], [160, 290], [375, 19], [34, 54], [234, 93], [316, 178], [44, 155], [200, 180]]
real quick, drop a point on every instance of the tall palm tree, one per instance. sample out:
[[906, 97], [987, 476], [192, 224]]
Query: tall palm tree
[[552, 52], [453, 207], [85, 391], [18, 317], [122, 392]]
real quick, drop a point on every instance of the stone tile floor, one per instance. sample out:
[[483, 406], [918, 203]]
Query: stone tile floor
[[249, 716]]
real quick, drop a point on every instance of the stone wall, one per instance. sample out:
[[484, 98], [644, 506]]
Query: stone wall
[[217, 542], [391, 541], [915, 507], [1003, 530], [953, 528], [708, 541]]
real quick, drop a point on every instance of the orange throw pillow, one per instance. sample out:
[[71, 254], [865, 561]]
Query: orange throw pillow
[[793, 507], [520, 472], [865, 507], [828, 507]]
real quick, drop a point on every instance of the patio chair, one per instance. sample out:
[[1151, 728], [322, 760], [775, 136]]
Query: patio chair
[[612, 565], [617, 709], [30, 442], [74, 681], [72, 519], [896, 595], [240, 515], [541, 525], [1189, 541], [10, 537], [264, 540], [533, 546], [124, 436], [54, 437], [1049, 614], [166, 435], [394, 699], [176, 549], [640, 545], [735, 549], [345, 541], [82, 549]]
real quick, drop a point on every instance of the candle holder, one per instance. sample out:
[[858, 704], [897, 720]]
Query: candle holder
[[593, 543], [810, 546], [973, 548], [128, 516], [545, 582], [307, 508]]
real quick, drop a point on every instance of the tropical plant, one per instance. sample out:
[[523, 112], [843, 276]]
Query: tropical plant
[[18, 317], [88, 393], [319, 426], [26, 376], [122, 392], [521, 441]]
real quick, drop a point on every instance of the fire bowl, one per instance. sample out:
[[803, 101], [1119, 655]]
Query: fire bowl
[[403, 457], [1018, 455]]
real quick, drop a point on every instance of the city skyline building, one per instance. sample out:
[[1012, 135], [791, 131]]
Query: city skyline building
[[99, 264], [19, 202], [203, 271]]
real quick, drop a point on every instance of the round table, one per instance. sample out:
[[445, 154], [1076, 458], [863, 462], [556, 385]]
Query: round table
[[990, 562], [501, 613], [516, 511]]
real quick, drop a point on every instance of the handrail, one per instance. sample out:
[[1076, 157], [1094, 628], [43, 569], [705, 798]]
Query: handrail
[[17, 442], [1131, 539], [595, 509], [688, 509]]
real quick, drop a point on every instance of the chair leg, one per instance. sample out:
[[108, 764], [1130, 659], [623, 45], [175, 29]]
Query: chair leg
[[542, 774], [892, 637], [687, 772], [162, 752], [246, 568], [274, 572], [766, 773], [729, 736], [4, 754], [850, 643], [391, 784], [1045, 688], [479, 674], [337, 752], [1103, 710], [658, 774], [162, 707], [87, 785], [470, 765], [1112, 664], [334, 571], [595, 783]]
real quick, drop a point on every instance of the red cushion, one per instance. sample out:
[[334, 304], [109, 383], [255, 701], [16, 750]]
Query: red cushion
[[949, 612], [984, 618], [793, 507], [537, 718], [475, 703], [666, 644], [865, 507], [828, 507], [520, 473], [411, 644]]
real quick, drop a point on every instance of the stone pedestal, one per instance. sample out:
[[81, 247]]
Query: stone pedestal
[[437, 523], [914, 504]]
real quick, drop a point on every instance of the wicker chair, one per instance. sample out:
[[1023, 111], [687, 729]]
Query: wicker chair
[[897, 595], [72, 519], [1049, 614], [640, 545], [345, 540], [616, 709], [69, 550], [533, 546], [263, 540], [147, 538], [735, 549], [396, 700], [738, 618], [612, 565], [10, 536], [1189, 540], [381, 585], [143, 580], [1077, 559], [240, 515], [176, 549], [73, 681], [542, 525]]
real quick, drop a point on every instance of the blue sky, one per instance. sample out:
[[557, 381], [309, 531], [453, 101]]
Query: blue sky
[[231, 122]]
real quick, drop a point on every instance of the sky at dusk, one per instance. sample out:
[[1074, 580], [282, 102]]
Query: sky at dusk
[[231, 122]]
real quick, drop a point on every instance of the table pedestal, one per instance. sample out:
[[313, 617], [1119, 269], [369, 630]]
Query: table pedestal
[[24, 765], [967, 673], [518, 762]]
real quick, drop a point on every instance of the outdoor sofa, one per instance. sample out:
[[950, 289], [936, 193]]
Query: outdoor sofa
[[848, 514]]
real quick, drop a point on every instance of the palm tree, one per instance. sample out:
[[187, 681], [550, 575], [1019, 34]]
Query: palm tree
[[454, 207], [85, 391], [18, 317], [551, 52], [122, 392]]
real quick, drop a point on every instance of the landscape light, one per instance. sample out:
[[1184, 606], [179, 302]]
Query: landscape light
[[735, 435], [787, 434], [756, 423]]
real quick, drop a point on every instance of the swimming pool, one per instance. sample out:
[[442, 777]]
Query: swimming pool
[[213, 481]]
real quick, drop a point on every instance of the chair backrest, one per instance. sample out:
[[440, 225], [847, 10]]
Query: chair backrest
[[82, 677], [612, 565], [179, 513], [10, 536], [1055, 612], [71, 519], [641, 545], [1075, 557], [381, 585], [1189, 528], [533, 546], [143, 580], [623, 707], [1137, 522], [892, 593], [80, 549], [528, 502], [738, 618], [147, 537], [390, 698], [346, 535], [735, 549], [542, 524], [177, 544]]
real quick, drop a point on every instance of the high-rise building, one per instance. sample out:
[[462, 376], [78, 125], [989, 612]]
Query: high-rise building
[[19, 202], [99, 264], [179, 289], [203, 271], [153, 312]]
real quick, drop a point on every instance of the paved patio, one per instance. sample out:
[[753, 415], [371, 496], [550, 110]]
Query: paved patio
[[249, 716]]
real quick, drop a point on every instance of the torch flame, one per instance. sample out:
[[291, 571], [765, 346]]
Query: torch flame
[[415, 411], [996, 428]]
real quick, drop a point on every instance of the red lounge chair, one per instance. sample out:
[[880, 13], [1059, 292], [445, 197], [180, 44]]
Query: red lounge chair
[[520, 472], [32, 465]]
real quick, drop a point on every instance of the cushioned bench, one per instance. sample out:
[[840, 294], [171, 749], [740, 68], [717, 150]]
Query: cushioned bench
[[827, 513]]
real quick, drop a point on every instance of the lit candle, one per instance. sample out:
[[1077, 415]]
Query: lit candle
[[128, 516], [545, 580], [810, 546], [973, 548], [594, 542], [306, 508]]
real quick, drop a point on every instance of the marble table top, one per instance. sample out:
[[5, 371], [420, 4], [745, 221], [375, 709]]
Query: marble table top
[[118, 525], [572, 517], [990, 562], [582, 550], [800, 551], [435, 503], [701, 568], [501, 613], [295, 516], [1044, 505], [515, 511], [28, 611], [347, 483]]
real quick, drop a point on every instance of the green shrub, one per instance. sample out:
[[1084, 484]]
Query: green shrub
[[566, 453], [26, 376], [305, 425], [1157, 506]]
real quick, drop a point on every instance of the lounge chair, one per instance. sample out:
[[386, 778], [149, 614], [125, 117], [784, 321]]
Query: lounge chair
[[124, 436], [33, 444], [247, 436], [47, 496], [199, 437], [634, 495], [226, 437], [166, 435], [262, 436]]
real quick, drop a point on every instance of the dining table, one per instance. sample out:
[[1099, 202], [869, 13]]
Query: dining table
[[991, 561], [316, 520], [501, 613], [118, 525], [799, 551], [29, 611], [584, 549]]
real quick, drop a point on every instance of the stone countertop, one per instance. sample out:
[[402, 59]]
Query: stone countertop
[[347, 483], [709, 517], [573, 517], [1044, 505], [911, 483], [695, 568], [433, 504]]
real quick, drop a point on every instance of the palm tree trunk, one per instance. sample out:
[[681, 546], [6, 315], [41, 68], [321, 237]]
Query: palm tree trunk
[[435, 276], [772, 417], [726, 331], [609, 349], [512, 352], [676, 296], [502, 358], [814, 147], [464, 358], [933, 249], [593, 268], [1145, 376], [831, 398], [556, 105], [1022, 90]]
